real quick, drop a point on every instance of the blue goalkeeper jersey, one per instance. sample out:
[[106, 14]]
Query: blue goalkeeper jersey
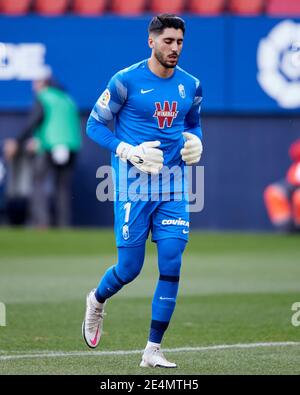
[[146, 107]]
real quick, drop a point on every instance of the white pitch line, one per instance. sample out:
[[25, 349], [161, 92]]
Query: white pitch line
[[62, 354]]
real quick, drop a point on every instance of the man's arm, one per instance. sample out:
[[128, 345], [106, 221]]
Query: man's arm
[[146, 156], [35, 118], [12, 147], [107, 107], [192, 120], [192, 150], [100, 133]]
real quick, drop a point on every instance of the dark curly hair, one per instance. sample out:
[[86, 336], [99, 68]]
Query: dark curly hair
[[160, 22]]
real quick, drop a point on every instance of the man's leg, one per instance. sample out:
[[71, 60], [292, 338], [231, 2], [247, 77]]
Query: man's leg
[[39, 204], [164, 301], [296, 208], [130, 263], [170, 231], [63, 175], [132, 226]]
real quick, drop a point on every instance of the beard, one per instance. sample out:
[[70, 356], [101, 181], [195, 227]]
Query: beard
[[164, 62]]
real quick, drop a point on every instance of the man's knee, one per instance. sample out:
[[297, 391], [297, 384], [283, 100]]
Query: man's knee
[[171, 254], [130, 263], [131, 272]]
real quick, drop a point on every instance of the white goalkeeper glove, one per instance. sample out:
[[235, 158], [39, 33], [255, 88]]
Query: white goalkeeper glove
[[192, 150], [146, 156]]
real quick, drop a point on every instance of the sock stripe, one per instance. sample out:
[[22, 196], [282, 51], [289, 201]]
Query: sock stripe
[[159, 325], [117, 277], [171, 279]]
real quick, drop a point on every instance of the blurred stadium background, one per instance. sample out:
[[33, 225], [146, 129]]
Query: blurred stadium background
[[246, 54]]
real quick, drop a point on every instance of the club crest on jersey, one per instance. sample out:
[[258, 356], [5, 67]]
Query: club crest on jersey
[[182, 91], [166, 114]]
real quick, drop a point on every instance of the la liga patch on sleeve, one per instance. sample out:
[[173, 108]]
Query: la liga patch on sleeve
[[104, 99]]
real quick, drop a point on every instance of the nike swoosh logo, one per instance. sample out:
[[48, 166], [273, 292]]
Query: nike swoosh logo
[[94, 341], [148, 91], [185, 232], [161, 298]]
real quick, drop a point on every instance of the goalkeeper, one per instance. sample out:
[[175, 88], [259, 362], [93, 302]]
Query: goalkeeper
[[156, 109]]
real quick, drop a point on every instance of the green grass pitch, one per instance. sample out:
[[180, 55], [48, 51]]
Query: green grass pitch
[[235, 289]]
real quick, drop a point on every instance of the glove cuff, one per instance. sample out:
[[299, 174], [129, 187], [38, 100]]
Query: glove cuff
[[123, 150]]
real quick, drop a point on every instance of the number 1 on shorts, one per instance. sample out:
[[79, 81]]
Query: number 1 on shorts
[[127, 208]]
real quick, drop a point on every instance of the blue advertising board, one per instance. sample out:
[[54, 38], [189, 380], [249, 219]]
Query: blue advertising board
[[263, 63], [245, 64], [85, 52]]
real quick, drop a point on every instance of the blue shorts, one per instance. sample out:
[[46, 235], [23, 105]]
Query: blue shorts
[[165, 219]]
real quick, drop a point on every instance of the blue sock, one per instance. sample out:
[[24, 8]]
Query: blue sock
[[164, 300], [130, 263], [109, 285]]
